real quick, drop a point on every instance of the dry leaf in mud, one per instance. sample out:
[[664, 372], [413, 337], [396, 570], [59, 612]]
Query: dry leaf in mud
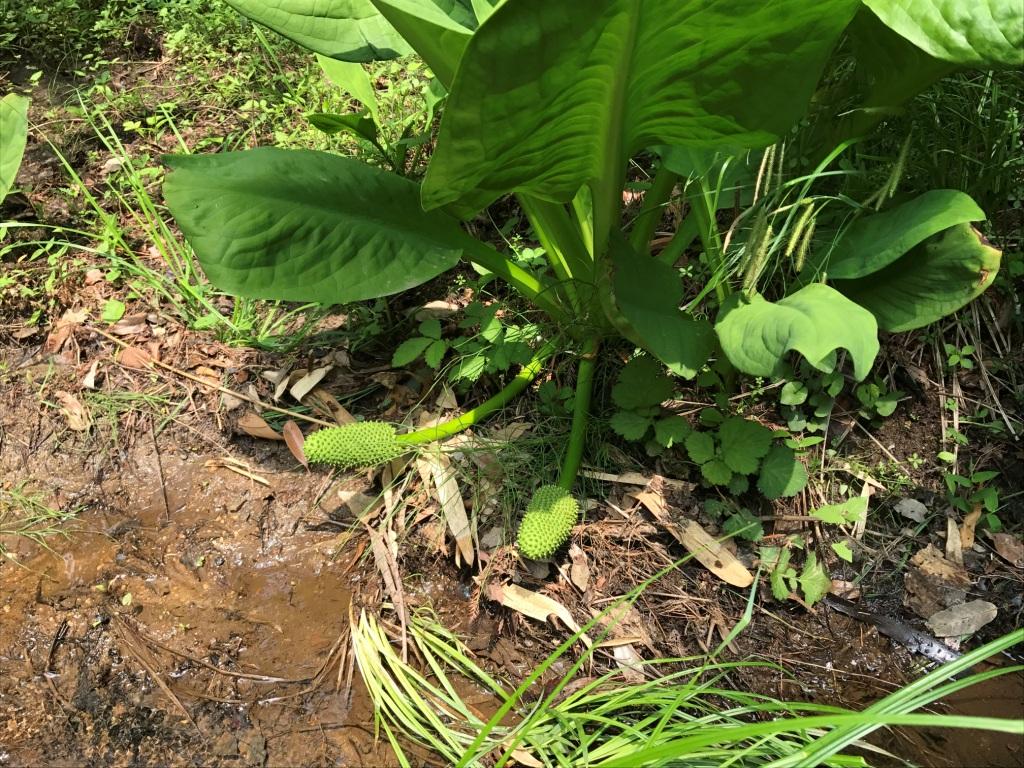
[[130, 325], [255, 426], [358, 503], [1010, 548], [579, 571], [60, 332], [967, 533], [75, 413], [326, 404], [705, 548], [954, 549], [449, 498], [279, 379], [436, 310], [207, 374], [135, 357], [294, 440], [962, 619], [89, 380], [446, 400], [845, 589], [912, 509], [534, 605], [932, 583], [304, 386]]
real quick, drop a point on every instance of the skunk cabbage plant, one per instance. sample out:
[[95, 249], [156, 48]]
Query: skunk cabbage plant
[[549, 100]]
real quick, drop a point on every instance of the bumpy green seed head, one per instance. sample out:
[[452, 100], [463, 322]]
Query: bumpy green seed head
[[548, 521], [362, 444]]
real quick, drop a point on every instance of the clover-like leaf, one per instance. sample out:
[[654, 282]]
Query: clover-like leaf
[[744, 443], [630, 424], [409, 350], [701, 447], [671, 430], [782, 473], [716, 472], [642, 383]]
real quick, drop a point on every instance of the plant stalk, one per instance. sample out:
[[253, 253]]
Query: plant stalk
[[453, 426], [580, 413], [527, 284], [650, 213], [704, 210]]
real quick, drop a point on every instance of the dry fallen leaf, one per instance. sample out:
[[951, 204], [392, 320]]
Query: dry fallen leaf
[[954, 549], [579, 571], [1010, 548], [323, 402], [71, 319], [533, 605], [89, 381], [129, 326], [135, 357], [74, 411], [702, 545], [294, 440], [303, 386], [967, 534], [446, 400], [932, 583], [912, 509], [436, 309], [449, 497], [962, 619], [255, 426]]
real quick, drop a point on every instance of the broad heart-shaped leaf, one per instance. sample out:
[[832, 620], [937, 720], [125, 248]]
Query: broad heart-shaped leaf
[[13, 137], [975, 33], [350, 30], [307, 226], [876, 241], [815, 321], [550, 96], [782, 473], [642, 383], [934, 279], [647, 293]]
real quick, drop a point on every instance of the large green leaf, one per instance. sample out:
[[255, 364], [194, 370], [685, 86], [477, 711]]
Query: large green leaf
[[815, 321], [353, 78], [648, 293], [934, 279], [437, 29], [873, 242], [13, 137], [551, 95], [307, 226], [350, 30], [978, 33]]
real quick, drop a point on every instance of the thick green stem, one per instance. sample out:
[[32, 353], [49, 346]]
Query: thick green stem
[[563, 243], [528, 285], [687, 232], [445, 430], [650, 214], [580, 414]]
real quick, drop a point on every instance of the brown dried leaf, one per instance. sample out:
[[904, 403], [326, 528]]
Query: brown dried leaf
[[322, 401], [135, 357], [967, 533], [436, 309], [533, 605], [207, 374], [60, 332], [130, 325], [449, 497], [89, 380], [1010, 548], [954, 549], [74, 411], [255, 426], [579, 571], [304, 385], [294, 440], [962, 619]]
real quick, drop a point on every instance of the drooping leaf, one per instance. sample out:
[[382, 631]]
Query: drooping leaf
[[438, 30], [815, 321], [936, 278], [360, 126], [647, 293], [349, 30], [744, 443], [671, 430], [876, 241], [976, 33], [716, 472], [353, 78], [814, 580], [13, 137], [299, 225], [409, 350], [782, 473], [744, 525], [642, 383], [848, 511], [550, 96]]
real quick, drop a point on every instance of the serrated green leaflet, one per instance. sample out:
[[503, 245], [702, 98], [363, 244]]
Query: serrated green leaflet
[[629, 424], [782, 474], [308, 226], [701, 447], [848, 511], [936, 278], [744, 444], [671, 430], [978, 33], [814, 580], [642, 383], [716, 472], [815, 321]]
